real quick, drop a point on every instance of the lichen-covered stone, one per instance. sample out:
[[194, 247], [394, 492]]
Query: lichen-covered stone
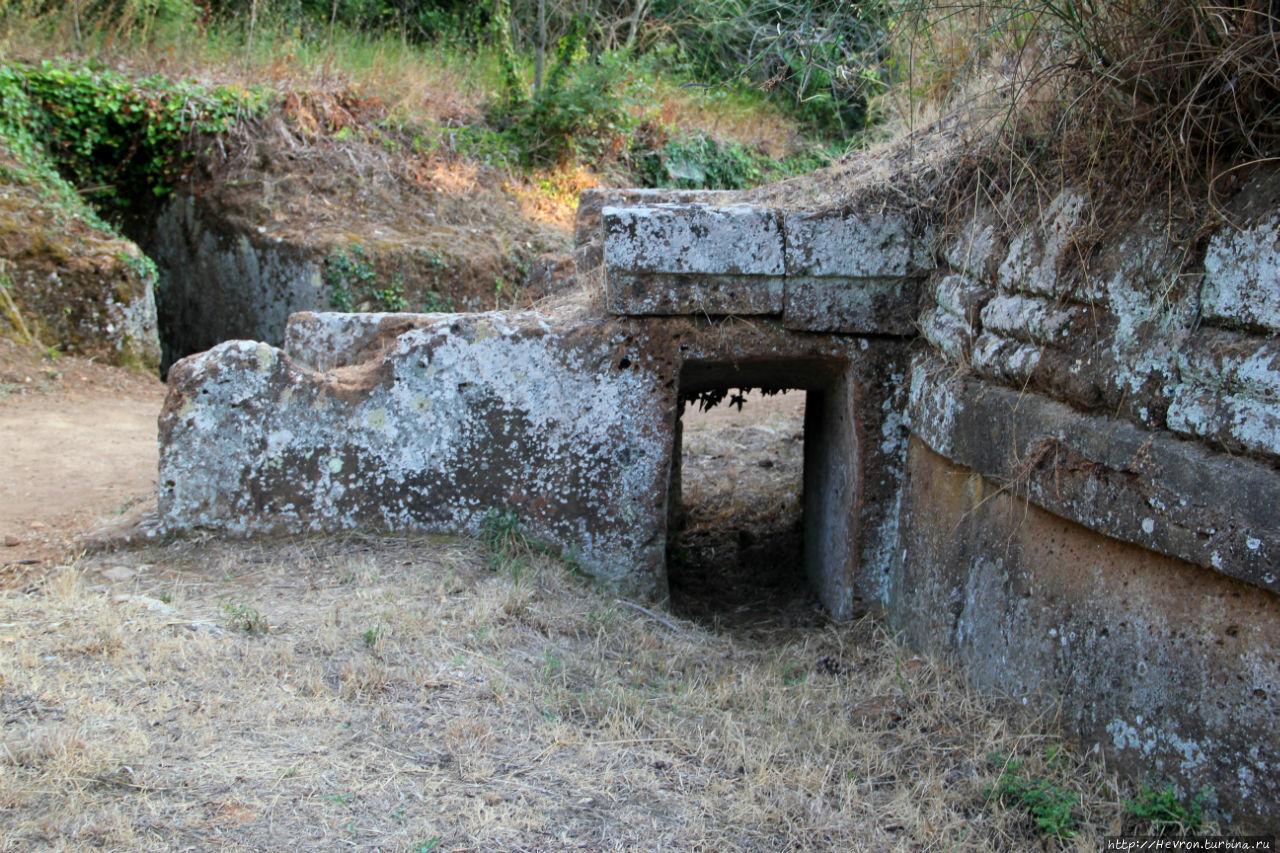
[[1032, 319], [847, 245], [886, 306], [1233, 363], [1149, 309], [459, 418], [1006, 360], [1041, 523], [963, 296], [1144, 487], [1033, 262], [324, 341], [1242, 277], [948, 333], [588, 225], [693, 239], [975, 250], [433, 422], [639, 294], [831, 273], [1239, 423], [693, 259]]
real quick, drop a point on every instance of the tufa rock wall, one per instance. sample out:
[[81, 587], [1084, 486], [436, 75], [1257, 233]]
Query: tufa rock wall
[[75, 284], [1048, 454], [1092, 510]]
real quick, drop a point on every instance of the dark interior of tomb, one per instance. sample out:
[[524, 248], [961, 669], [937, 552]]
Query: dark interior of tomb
[[735, 545]]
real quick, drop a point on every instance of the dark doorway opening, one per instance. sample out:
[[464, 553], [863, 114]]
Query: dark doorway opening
[[758, 500]]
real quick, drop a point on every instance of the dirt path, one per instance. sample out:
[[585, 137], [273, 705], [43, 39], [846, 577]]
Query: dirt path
[[79, 445]]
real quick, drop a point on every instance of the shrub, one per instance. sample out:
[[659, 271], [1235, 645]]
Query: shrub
[[1176, 93]]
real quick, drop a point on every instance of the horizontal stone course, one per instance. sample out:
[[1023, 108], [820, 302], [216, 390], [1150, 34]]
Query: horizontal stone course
[[693, 239], [962, 296], [695, 295], [884, 306], [1004, 359], [951, 335], [831, 272], [1032, 263], [1233, 363], [1238, 423], [1032, 319], [1140, 486], [851, 246]]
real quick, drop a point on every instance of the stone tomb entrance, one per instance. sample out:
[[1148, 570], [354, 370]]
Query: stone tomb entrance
[[565, 418], [823, 303], [758, 506]]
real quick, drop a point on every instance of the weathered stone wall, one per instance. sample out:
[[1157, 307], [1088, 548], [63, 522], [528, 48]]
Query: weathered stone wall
[[432, 422], [1067, 480], [462, 416], [222, 280], [1092, 508], [1168, 666]]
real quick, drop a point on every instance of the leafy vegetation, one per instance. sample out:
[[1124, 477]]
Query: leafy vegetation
[[353, 282], [1051, 806], [1161, 811], [510, 549], [243, 616], [119, 140], [822, 60]]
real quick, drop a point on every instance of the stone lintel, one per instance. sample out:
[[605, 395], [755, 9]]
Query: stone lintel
[[592, 202], [847, 245], [864, 306], [667, 294], [692, 239], [1148, 488]]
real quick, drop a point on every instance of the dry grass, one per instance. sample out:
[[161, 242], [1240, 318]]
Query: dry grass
[[436, 85], [1138, 103], [402, 692]]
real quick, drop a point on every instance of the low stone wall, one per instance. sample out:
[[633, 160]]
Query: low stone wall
[[435, 422]]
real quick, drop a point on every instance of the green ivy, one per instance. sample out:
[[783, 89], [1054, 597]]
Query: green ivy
[[120, 140], [348, 275], [30, 166], [353, 279]]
